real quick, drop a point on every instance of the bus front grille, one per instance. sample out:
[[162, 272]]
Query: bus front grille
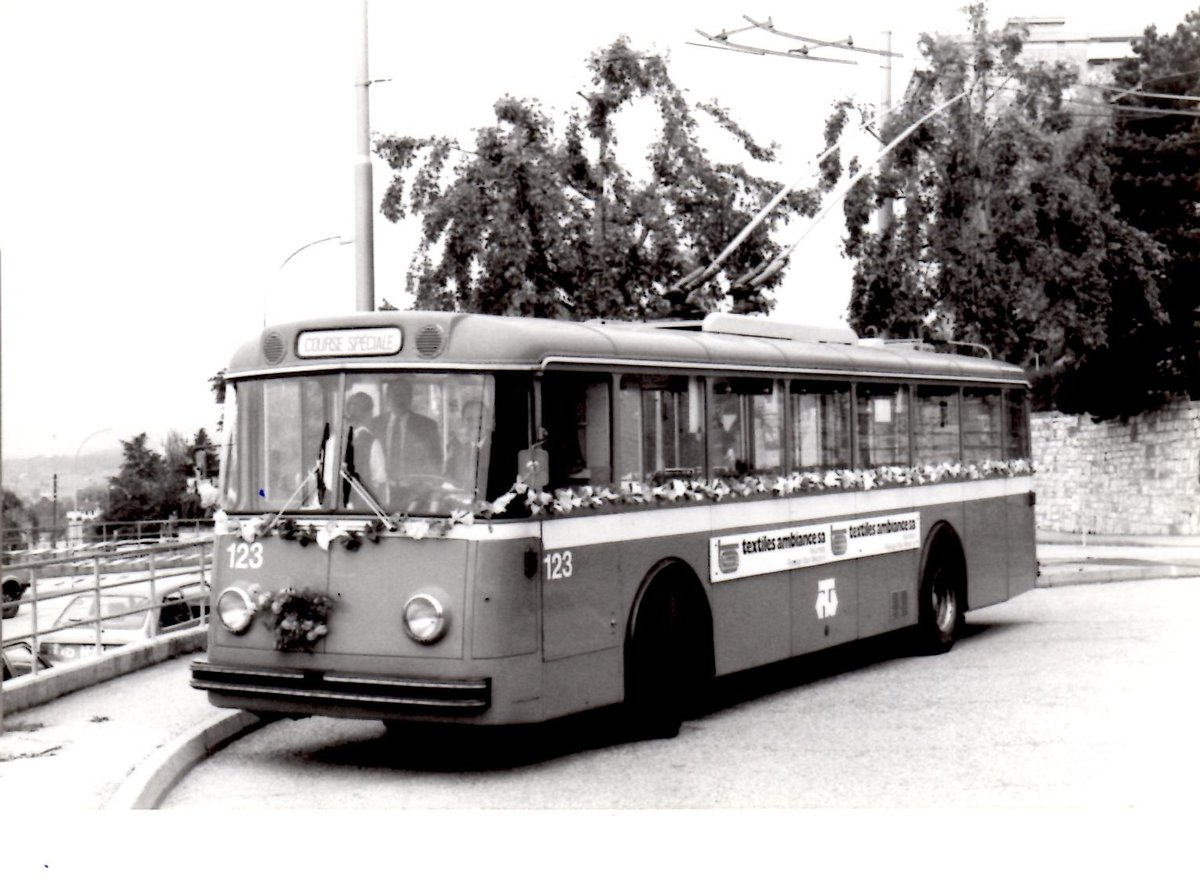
[[385, 693]]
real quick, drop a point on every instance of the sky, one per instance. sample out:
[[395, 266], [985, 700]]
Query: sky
[[161, 160]]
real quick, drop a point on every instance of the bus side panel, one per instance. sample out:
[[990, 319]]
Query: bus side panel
[[582, 682], [887, 591], [1022, 543], [580, 568], [825, 606], [505, 602], [750, 622], [985, 542]]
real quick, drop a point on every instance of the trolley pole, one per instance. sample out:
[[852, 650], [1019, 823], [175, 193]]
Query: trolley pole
[[364, 235]]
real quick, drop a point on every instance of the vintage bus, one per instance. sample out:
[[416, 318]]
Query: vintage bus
[[451, 517]]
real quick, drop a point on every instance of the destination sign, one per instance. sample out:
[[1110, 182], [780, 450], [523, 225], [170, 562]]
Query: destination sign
[[382, 341]]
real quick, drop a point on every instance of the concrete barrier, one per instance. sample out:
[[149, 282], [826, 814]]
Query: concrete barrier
[[30, 691]]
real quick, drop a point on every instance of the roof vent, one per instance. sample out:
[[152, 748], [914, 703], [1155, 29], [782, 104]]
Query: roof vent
[[430, 341], [273, 348], [760, 327]]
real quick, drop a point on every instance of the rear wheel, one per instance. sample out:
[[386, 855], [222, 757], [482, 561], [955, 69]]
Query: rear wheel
[[942, 602]]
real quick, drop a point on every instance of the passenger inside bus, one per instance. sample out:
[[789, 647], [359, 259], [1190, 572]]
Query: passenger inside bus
[[463, 451], [364, 451], [410, 439]]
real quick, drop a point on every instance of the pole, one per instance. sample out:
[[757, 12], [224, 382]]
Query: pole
[[364, 237], [54, 516], [885, 211]]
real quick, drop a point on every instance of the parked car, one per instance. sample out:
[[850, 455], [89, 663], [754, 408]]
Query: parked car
[[128, 616], [14, 589], [16, 659]]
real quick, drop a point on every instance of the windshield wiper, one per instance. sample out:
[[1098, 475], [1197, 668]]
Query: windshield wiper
[[352, 482]]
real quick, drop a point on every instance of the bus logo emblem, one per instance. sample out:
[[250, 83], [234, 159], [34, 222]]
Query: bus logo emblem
[[838, 538], [727, 558]]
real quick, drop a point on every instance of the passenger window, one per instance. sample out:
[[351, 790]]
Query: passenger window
[[937, 433], [1016, 440], [661, 427], [982, 436], [882, 425], [745, 435], [575, 416], [820, 425]]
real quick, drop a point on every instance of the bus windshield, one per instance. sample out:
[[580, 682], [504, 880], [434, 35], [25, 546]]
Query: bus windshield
[[386, 442]]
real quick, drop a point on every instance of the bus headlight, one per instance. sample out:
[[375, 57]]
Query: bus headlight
[[424, 619], [235, 610]]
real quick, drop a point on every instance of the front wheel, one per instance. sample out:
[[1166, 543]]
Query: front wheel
[[667, 669], [941, 603]]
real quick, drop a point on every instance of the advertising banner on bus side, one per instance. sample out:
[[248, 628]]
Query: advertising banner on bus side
[[800, 546]]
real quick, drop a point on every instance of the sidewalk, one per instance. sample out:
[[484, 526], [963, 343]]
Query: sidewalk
[[123, 743]]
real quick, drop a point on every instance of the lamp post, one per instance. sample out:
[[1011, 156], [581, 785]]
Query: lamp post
[[75, 465]]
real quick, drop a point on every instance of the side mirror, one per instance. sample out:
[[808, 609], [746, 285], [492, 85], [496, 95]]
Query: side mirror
[[534, 465]]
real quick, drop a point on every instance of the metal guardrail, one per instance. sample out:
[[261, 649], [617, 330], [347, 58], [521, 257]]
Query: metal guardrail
[[23, 544], [162, 569]]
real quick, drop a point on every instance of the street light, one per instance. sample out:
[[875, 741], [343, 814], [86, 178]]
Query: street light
[[75, 465]]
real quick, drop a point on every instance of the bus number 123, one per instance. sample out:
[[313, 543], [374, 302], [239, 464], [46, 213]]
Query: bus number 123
[[558, 565], [243, 555]]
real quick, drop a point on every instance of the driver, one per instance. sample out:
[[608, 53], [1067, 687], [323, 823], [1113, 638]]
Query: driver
[[410, 439]]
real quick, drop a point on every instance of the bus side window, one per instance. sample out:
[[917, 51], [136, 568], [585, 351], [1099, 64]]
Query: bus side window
[[937, 426], [746, 434], [575, 416], [661, 424], [982, 436], [1016, 439], [883, 425], [820, 425]]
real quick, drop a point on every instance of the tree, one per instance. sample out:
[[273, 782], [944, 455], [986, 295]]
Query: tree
[[1156, 182], [19, 521], [1005, 232], [535, 223], [138, 490]]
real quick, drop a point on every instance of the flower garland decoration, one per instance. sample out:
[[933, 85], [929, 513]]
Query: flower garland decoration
[[298, 618], [628, 493]]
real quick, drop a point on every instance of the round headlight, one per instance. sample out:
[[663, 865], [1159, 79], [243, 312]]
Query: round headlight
[[235, 609], [424, 618]]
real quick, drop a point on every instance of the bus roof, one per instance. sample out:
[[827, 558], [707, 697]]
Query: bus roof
[[722, 343]]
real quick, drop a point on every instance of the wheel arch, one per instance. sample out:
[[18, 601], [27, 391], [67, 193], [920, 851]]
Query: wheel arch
[[943, 540], [673, 574]]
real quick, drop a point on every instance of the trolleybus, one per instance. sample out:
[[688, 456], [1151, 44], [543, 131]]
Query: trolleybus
[[489, 520]]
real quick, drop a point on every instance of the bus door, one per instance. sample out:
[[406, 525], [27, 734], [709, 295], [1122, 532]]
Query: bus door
[[581, 549]]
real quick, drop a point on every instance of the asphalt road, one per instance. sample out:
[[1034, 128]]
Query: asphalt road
[[1068, 698]]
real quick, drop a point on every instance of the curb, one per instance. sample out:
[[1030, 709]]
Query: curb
[[1115, 575], [21, 693], [152, 779]]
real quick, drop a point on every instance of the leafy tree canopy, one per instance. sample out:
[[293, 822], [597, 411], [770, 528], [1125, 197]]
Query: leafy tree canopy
[[1006, 231], [1156, 183], [537, 222]]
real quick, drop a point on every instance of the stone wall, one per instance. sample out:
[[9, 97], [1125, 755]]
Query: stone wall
[[1141, 477]]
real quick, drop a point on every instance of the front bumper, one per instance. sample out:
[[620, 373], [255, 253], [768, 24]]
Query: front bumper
[[360, 693]]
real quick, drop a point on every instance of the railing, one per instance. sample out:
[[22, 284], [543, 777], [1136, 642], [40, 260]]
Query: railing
[[24, 545], [168, 580]]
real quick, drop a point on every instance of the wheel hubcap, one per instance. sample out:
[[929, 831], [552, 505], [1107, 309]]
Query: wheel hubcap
[[945, 603]]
